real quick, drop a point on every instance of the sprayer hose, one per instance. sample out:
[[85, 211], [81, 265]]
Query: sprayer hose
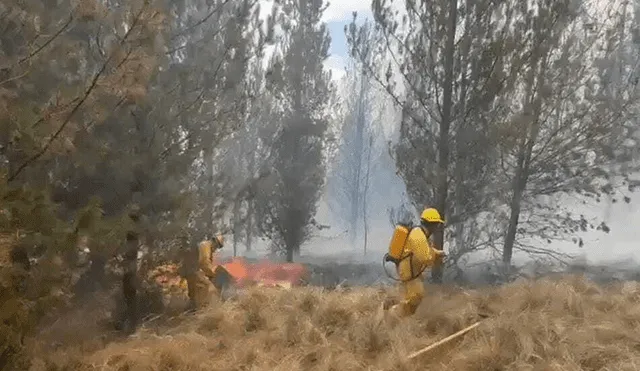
[[413, 277]]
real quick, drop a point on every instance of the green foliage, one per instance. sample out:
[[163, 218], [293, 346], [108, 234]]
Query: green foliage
[[509, 108], [33, 279], [302, 87], [103, 106]]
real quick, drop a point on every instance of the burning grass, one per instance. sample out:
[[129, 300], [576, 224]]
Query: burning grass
[[551, 324]]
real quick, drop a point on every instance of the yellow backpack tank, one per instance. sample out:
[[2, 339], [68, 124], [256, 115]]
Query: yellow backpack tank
[[398, 241]]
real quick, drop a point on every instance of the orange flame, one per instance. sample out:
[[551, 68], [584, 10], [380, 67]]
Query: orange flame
[[265, 273], [238, 269]]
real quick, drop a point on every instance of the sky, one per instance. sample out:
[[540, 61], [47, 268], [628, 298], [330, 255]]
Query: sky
[[338, 15]]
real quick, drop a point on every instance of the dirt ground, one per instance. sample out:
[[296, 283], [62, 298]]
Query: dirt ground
[[551, 324]]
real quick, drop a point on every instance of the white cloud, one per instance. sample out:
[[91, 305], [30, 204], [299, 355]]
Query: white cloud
[[341, 10]]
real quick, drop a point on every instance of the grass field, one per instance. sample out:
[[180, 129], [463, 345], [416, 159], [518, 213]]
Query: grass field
[[550, 324]]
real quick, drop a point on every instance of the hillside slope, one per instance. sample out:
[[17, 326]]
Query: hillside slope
[[551, 324]]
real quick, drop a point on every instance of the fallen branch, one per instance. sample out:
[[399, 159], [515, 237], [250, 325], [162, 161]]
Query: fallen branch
[[444, 341]]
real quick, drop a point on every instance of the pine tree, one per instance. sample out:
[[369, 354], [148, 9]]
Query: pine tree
[[563, 134], [449, 61], [302, 88], [360, 141]]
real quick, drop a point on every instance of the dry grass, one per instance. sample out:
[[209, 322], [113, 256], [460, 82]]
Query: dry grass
[[551, 324]]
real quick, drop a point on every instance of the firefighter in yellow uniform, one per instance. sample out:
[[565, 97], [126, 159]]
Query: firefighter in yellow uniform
[[420, 255], [200, 287]]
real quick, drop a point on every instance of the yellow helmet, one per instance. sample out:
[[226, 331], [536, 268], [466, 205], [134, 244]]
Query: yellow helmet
[[431, 215]]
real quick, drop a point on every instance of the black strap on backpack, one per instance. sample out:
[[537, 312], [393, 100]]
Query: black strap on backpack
[[386, 258]]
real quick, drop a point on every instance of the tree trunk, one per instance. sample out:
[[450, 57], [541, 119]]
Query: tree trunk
[[461, 140], [442, 188], [250, 204], [533, 105], [614, 93], [365, 194], [236, 225], [130, 277], [515, 207], [210, 201], [249, 228], [356, 185], [290, 253]]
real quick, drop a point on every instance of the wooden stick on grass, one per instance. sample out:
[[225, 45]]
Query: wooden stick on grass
[[444, 341]]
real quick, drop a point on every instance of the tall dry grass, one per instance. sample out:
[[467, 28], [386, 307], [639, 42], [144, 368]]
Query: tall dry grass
[[551, 324]]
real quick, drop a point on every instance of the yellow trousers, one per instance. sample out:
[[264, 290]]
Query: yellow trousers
[[200, 290], [412, 290]]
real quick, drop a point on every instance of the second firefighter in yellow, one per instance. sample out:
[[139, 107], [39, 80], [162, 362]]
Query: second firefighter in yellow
[[200, 288], [420, 255]]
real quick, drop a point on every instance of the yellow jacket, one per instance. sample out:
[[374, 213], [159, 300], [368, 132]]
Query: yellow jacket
[[205, 258], [422, 255]]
